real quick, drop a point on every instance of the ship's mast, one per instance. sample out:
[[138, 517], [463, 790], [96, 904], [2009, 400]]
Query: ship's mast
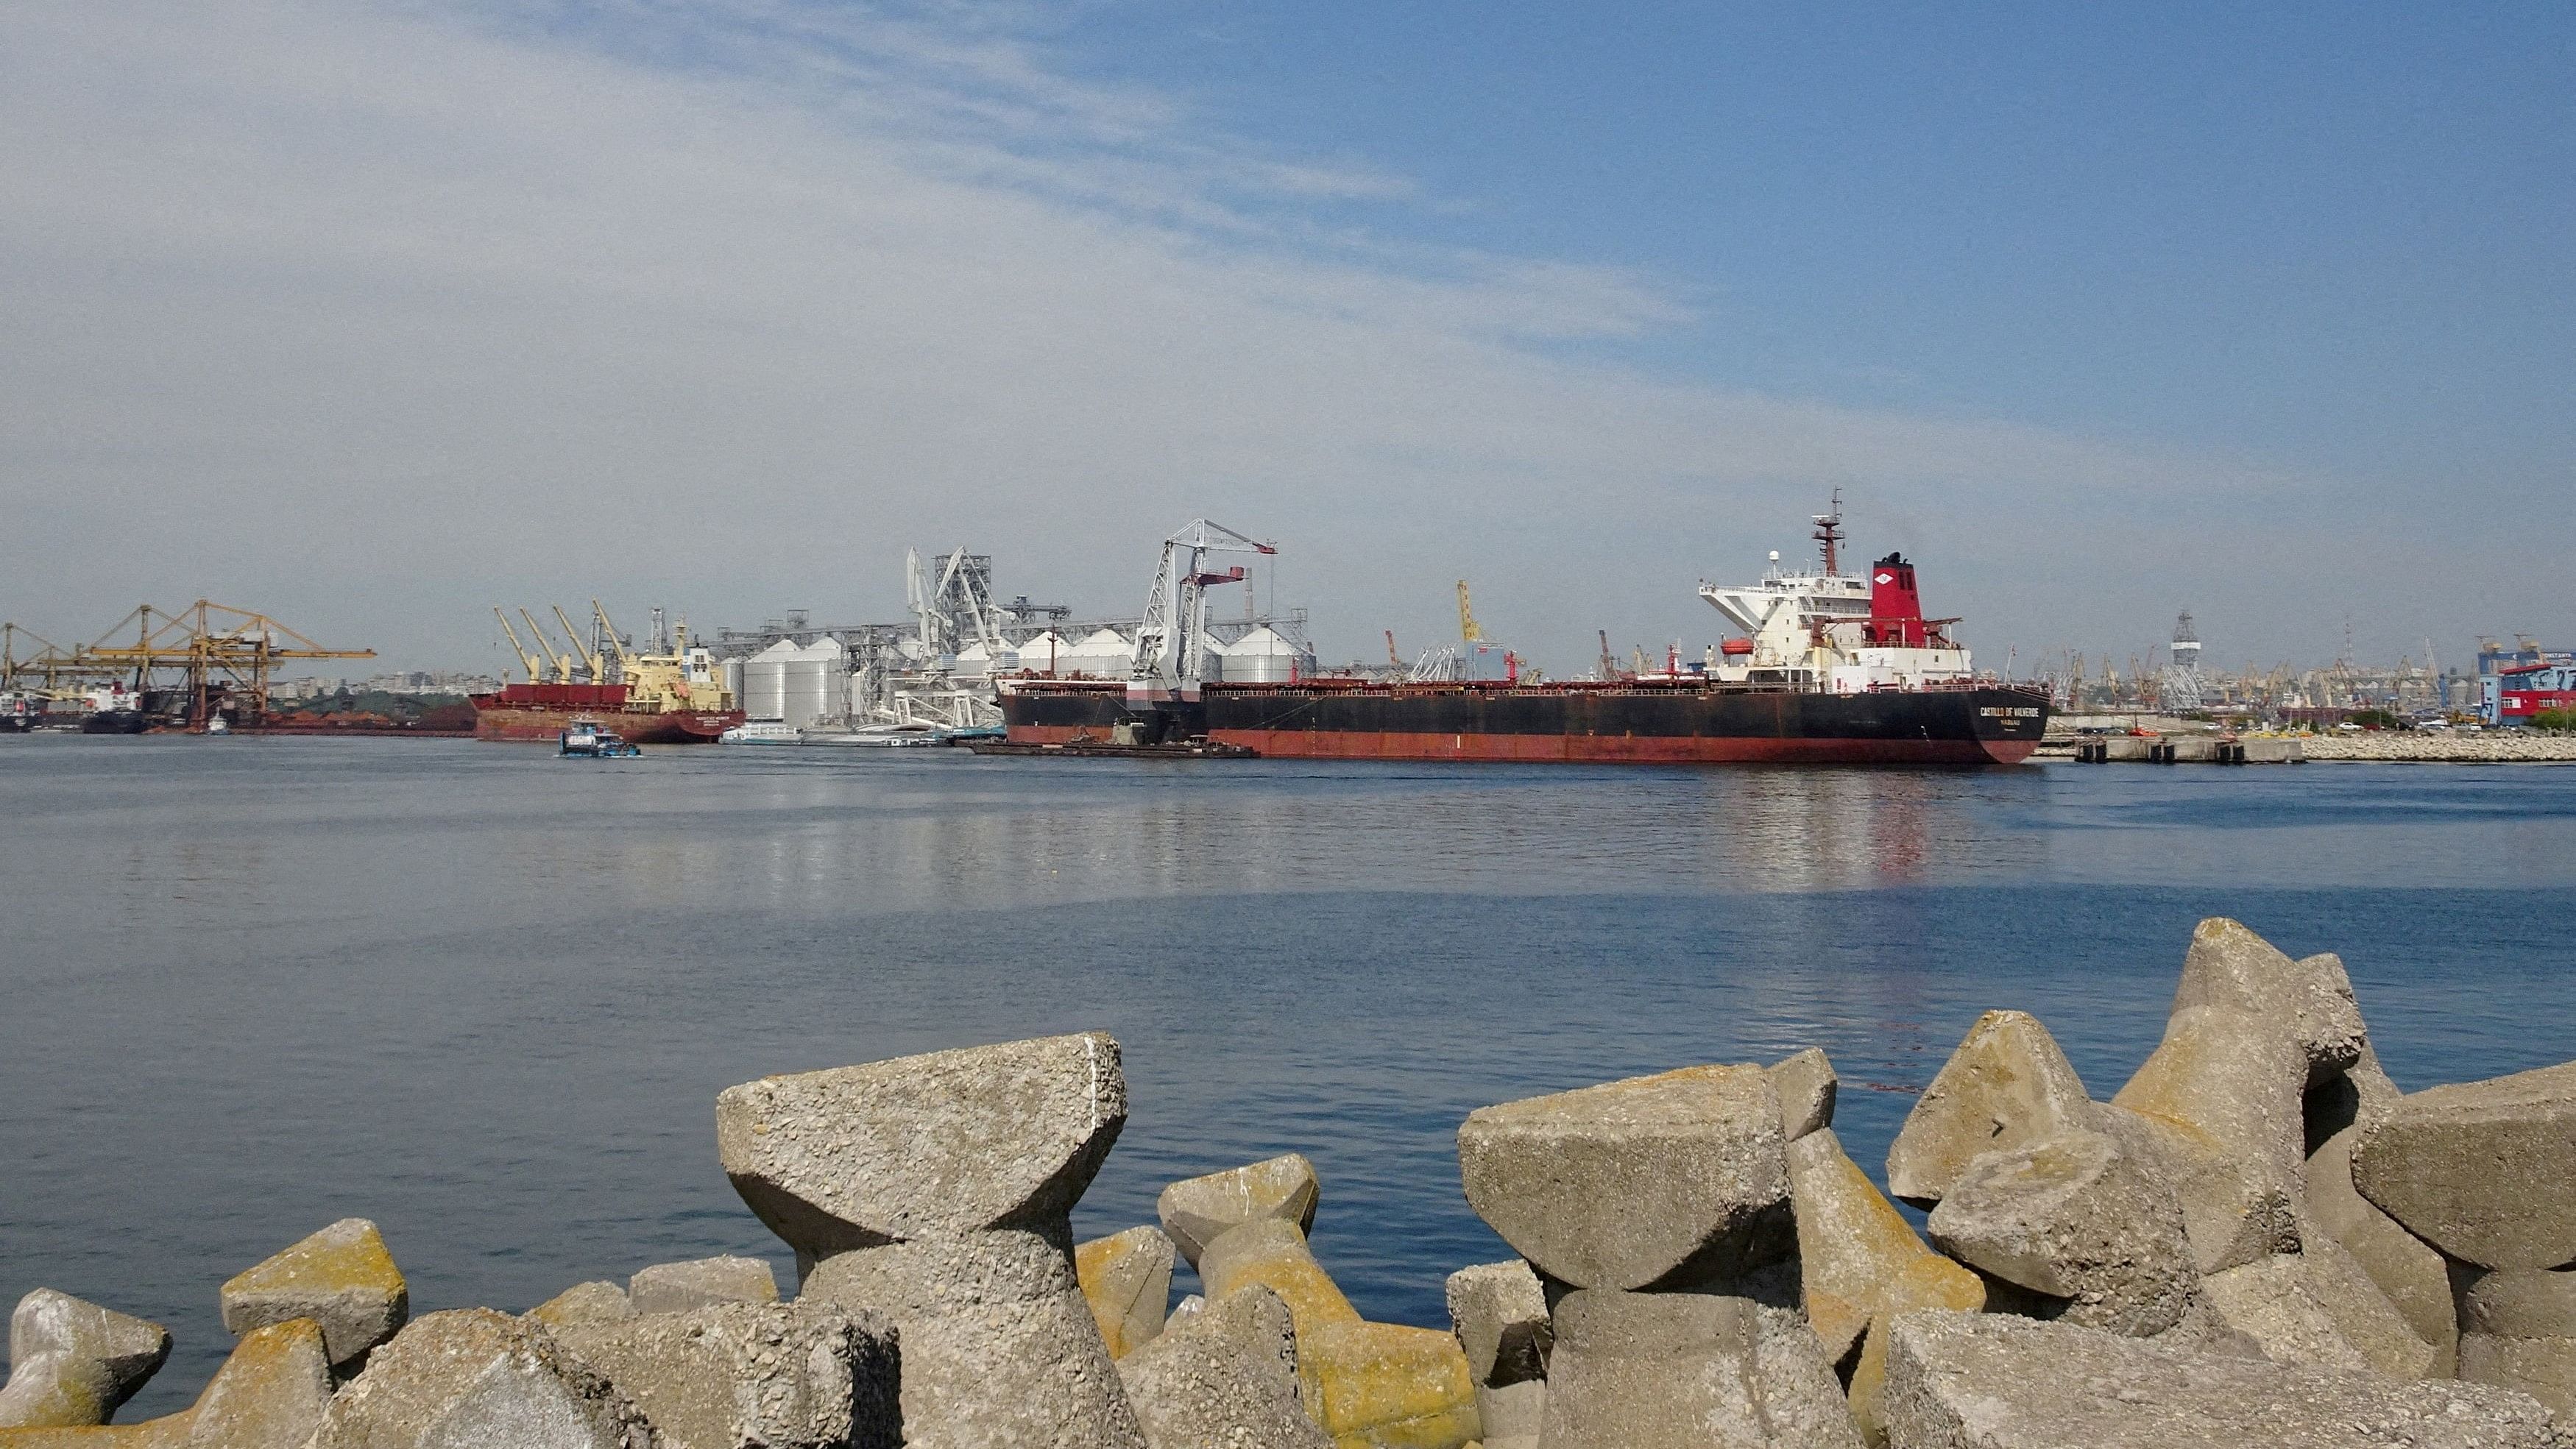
[[1829, 532]]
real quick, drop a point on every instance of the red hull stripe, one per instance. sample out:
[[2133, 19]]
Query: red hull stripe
[[1591, 749]]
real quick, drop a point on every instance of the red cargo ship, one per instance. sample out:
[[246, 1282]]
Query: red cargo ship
[[541, 712]]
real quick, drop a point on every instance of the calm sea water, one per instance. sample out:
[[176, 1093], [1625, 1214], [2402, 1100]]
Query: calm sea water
[[486, 996]]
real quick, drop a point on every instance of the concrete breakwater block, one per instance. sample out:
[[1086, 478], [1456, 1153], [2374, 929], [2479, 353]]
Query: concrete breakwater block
[[1994, 1381], [2078, 1219], [1499, 1313], [1126, 1278], [1661, 1181], [1196, 1210], [676, 1287], [474, 1376], [2481, 1170], [72, 1362], [936, 1191], [776, 1375], [340, 1277], [1807, 1085], [1225, 1376]]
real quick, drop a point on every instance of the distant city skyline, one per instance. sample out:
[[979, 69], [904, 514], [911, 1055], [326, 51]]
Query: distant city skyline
[[373, 315]]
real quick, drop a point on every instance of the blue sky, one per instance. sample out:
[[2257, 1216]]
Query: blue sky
[[376, 312], [2327, 233]]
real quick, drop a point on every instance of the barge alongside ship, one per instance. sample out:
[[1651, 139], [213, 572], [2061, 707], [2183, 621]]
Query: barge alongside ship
[[1831, 669]]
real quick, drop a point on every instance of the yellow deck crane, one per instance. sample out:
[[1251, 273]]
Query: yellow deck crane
[[1467, 630], [589, 658], [536, 667], [562, 662]]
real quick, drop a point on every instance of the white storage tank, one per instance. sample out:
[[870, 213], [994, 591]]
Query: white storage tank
[[973, 662], [764, 682], [1046, 655], [1264, 656], [1102, 654], [814, 683]]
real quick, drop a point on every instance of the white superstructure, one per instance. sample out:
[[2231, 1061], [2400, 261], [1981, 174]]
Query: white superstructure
[[1828, 630]]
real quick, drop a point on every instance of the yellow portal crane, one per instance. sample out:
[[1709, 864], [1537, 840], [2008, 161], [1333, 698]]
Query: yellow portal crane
[[1467, 629], [561, 662], [536, 668], [219, 652]]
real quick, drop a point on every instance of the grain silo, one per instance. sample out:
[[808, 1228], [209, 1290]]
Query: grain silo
[[1264, 656], [813, 682], [764, 682], [1102, 654], [1047, 655]]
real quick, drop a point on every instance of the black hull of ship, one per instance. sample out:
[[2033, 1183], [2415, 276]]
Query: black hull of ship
[[1573, 724]]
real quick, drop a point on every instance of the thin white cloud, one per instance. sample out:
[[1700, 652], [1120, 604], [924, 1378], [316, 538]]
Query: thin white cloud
[[372, 314]]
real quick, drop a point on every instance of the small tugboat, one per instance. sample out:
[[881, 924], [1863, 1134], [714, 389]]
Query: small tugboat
[[584, 738]]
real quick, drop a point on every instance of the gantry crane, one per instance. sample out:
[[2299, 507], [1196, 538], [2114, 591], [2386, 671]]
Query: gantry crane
[[1171, 643], [215, 651]]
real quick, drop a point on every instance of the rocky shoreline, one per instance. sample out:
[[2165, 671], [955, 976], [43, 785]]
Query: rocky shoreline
[[2257, 1241]]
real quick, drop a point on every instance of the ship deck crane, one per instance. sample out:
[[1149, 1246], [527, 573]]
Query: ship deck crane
[[589, 657], [536, 667], [1171, 643], [562, 662], [1468, 632]]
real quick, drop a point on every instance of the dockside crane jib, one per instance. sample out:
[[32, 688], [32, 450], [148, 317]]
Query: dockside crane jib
[[536, 667], [562, 662], [1171, 644]]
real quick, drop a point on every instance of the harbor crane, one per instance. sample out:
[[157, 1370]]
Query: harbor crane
[[589, 657], [1468, 632], [562, 662], [536, 667], [1172, 643], [212, 653]]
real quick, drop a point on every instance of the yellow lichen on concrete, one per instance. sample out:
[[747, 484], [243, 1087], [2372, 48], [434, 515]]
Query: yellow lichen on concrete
[[1930, 1281], [341, 1277], [1126, 1278], [1274, 1254], [1852, 1242], [1388, 1386], [271, 1391]]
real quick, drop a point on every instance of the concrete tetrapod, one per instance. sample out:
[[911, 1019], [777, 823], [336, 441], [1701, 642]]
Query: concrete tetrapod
[[2518, 1329], [271, 1391], [676, 1287], [1852, 1242], [1807, 1085], [2076, 1218], [2231, 967], [1688, 1371], [1994, 1381], [596, 1302], [2405, 1267], [1195, 1210], [1367, 1384], [2480, 1169], [1226, 1378], [1499, 1313], [2007, 1085], [2233, 1084], [2317, 1307], [474, 1376], [1670, 1181], [775, 1375], [72, 1362], [1126, 1278], [340, 1277], [935, 1190]]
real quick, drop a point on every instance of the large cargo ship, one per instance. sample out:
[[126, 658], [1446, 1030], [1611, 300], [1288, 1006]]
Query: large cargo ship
[[671, 695], [1829, 668]]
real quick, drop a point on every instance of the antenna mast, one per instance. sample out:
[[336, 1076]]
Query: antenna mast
[[1829, 532]]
